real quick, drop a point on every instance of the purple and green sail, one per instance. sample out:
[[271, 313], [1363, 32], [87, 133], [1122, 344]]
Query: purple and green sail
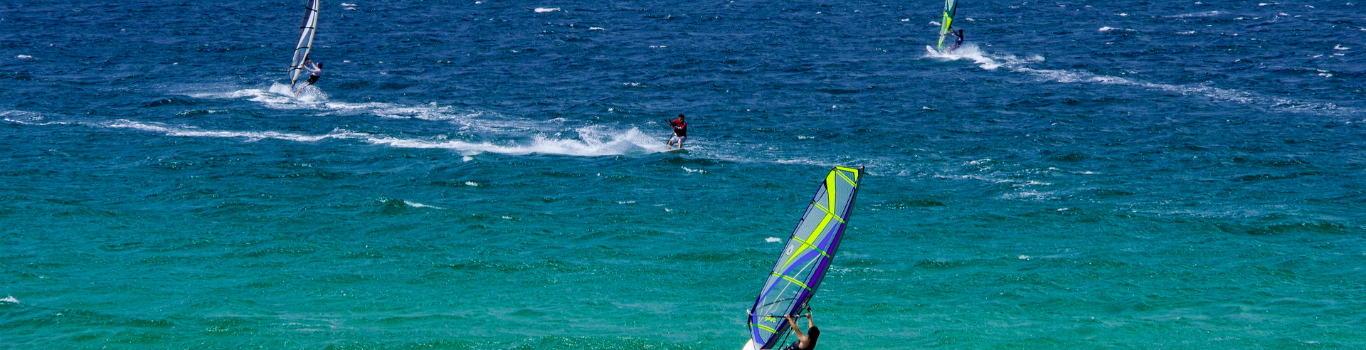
[[808, 253]]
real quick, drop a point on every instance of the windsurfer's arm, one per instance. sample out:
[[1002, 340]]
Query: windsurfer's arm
[[793, 323]]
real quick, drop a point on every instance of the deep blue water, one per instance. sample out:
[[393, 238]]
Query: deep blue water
[[488, 174]]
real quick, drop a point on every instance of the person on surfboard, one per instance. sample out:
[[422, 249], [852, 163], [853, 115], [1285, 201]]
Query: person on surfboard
[[805, 341], [315, 71], [680, 131]]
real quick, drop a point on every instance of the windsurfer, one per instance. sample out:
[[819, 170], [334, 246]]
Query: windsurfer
[[805, 341], [315, 71], [958, 39], [680, 131]]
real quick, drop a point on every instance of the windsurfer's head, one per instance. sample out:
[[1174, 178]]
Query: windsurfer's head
[[320, 65], [680, 116], [813, 333]]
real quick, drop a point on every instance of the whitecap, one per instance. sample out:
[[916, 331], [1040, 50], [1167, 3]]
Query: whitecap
[[773, 240], [28, 118], [1198, 14], [547, 9], [420, 205]]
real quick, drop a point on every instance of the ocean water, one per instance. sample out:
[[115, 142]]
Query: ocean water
[[489, 174]]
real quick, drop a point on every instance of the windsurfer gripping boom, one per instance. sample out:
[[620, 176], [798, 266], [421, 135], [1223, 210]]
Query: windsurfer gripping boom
[[957, 39], [315, 71]]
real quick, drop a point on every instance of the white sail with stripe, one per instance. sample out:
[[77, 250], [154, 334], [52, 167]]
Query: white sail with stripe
[[305, 45]]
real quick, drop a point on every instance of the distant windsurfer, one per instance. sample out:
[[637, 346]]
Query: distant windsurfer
[[805, 341], [315, 71], [680, 131], [957, 39]]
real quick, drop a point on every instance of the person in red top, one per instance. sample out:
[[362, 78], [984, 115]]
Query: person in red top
[[680, 131]]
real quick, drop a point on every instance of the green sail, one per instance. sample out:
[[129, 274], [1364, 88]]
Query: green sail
[[950, 6]]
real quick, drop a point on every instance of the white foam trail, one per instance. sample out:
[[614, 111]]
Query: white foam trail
[[547, 9], [592, 141], [970, 51], [279, 96], [10, 299], [189, 131], [27, 118], [1016, 64]]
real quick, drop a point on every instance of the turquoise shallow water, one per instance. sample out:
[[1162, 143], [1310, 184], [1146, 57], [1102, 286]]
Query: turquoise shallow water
[[489, 175]]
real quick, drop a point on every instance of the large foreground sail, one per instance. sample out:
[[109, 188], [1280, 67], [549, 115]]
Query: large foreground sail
[[808, 253], [950, 6], [305, 45]]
